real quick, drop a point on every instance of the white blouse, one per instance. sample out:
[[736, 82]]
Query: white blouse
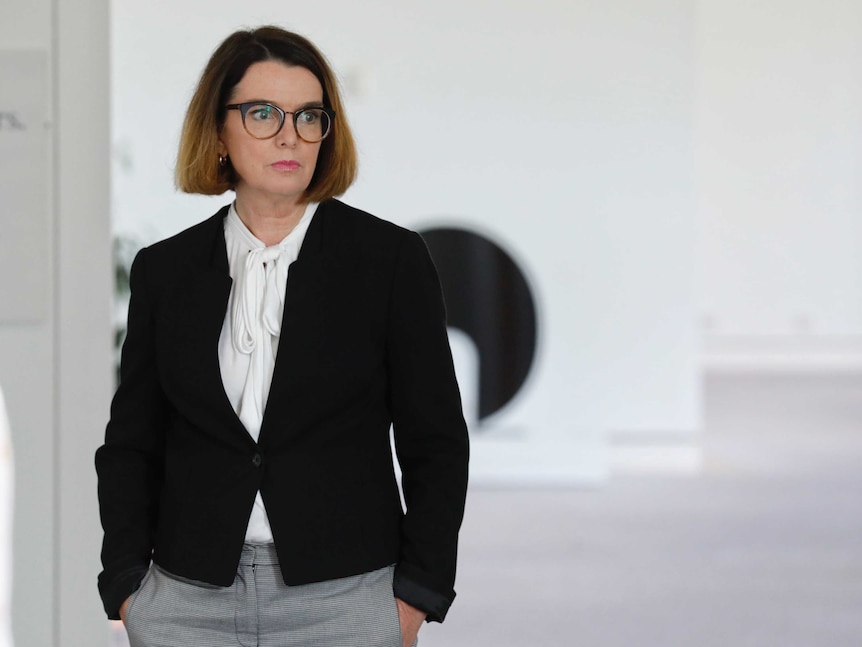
[[252, 329]]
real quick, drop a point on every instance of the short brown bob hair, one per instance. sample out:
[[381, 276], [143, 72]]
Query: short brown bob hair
[[198, 169]]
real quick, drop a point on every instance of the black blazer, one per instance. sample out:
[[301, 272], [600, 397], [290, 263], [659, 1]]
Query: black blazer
[[363, 345]]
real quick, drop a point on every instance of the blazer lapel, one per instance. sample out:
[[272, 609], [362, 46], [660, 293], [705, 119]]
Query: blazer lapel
[[200, 305], [314, 280]]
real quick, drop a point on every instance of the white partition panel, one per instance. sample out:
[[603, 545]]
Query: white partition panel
[[560, 131], [55, 295], [24, 167]]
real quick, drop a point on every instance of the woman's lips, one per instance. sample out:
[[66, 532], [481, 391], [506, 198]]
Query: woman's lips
[[286, 165]]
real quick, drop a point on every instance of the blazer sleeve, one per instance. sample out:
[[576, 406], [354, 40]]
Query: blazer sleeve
[[430, 433], [130, 463]]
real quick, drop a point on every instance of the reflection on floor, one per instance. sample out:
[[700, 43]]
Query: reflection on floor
[[763, 549]]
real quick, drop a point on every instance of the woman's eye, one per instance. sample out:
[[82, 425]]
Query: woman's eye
[[262, 113], [309, 116]]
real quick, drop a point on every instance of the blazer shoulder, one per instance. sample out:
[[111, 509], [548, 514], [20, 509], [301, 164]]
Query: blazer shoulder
[[183, 254], [193, 245], [192, 242], [368, 230]]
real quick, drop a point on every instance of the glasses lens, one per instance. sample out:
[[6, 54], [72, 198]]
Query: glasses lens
[[312, 124], [262, 120]]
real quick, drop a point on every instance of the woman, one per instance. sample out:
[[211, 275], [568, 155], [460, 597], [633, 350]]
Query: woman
[[269, 349]]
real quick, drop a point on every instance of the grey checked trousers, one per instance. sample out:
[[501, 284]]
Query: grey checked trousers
[[260, 610]]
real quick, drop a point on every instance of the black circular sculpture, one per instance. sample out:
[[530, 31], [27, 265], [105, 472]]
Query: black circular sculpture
[[489, 299]]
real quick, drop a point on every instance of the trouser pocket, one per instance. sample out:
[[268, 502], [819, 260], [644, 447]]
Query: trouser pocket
[[171, 611]]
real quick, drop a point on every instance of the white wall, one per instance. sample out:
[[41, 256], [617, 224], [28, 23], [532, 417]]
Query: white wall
[[55, 366], [598, 204], [779, 176]]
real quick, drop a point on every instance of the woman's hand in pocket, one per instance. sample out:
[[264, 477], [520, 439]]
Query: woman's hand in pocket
[[123, 607], [411, 620]]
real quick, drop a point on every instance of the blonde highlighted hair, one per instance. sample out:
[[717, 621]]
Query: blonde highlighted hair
[[198, 166]]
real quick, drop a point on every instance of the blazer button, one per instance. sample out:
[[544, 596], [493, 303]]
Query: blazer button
[[256, 460]]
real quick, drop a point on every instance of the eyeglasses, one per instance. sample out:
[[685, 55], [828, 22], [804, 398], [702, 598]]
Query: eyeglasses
[[263, 120]]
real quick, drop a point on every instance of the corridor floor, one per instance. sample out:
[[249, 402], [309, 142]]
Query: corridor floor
[[762, 549]]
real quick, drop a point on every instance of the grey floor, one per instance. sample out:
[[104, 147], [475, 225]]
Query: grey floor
[[763, 549]]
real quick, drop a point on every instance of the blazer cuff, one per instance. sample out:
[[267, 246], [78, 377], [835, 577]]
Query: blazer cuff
[[121, 587], [433, 603]]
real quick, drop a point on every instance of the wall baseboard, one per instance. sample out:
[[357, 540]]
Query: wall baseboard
[[782, 353], [659, 453]]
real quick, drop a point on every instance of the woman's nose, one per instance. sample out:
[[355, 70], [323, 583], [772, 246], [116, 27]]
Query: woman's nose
[[287, 135]]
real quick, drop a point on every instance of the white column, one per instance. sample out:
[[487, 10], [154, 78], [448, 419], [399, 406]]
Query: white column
[[7, 495], [83, 307]]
